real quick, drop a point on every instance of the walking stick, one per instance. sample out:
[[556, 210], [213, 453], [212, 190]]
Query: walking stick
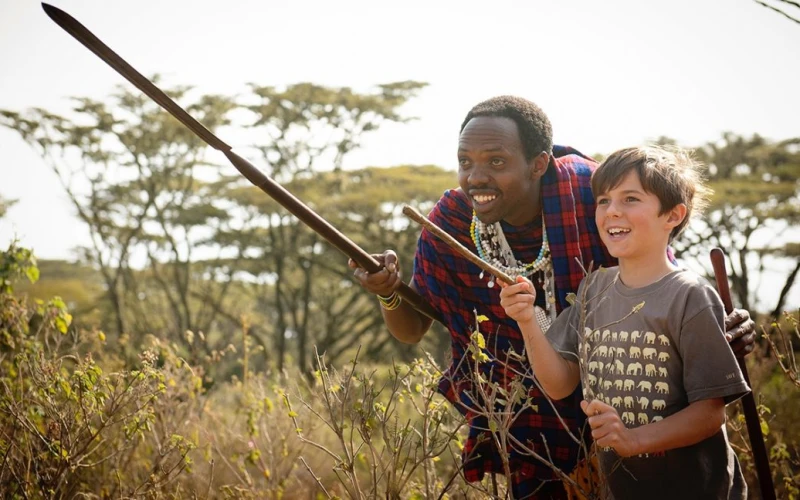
[[255, 176], [751, 417]]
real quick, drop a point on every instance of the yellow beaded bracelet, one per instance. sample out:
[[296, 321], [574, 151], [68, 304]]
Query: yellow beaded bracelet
[[391, 302]]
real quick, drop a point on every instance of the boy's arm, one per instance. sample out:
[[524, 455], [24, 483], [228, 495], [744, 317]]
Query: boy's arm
[[558, 376], [698, 421]]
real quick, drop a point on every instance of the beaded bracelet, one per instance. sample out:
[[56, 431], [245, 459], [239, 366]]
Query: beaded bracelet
[[391, 302]]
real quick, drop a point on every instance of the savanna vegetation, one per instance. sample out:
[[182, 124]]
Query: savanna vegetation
[[208, 345]]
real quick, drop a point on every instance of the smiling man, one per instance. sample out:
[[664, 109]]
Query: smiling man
[[527, 207]]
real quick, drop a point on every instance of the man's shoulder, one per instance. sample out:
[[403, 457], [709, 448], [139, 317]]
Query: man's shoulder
[[571, 159], [452, 213], [454, 203]]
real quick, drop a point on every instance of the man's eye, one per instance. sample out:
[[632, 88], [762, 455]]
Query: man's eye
[[497, 162], [463, 162]]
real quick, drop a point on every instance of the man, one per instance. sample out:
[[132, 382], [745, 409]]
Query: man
[[527, 207]]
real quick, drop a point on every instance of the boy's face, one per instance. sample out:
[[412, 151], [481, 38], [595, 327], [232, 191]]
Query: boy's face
[[629, 221]]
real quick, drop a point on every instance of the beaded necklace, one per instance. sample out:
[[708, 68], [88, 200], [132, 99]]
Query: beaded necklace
[[494, 249], [492, 246]]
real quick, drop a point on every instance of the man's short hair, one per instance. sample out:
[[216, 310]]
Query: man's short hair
[[535, 131], [670, 174]]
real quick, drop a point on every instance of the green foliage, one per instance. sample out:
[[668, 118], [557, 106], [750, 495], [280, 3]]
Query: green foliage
[[381, 449], [75, 421], [182, 245], [67, 425], [756, 185], [5, 204]]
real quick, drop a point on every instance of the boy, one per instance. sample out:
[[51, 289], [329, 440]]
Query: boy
[[645, 339]]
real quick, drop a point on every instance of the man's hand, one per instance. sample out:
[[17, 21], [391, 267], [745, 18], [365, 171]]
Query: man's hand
[[740, 331], [385, 281], [608, 430]]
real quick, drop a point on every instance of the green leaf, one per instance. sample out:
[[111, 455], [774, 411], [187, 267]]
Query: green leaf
[[32, 273]]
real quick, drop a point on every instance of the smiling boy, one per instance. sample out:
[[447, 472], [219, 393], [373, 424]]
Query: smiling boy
[[645, 339]]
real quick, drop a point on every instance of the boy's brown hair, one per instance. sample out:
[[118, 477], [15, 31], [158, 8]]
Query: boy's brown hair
[[670, 174]]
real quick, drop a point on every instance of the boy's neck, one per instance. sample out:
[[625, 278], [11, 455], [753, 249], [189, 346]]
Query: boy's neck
[[635, 273]]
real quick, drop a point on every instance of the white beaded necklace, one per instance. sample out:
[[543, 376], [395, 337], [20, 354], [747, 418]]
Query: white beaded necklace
[[492, 246]]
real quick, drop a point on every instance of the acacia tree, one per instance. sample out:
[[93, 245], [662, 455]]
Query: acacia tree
[[753, 210], [790, 9], [5, 204], [139, 180], [303, 133], [369, 209]]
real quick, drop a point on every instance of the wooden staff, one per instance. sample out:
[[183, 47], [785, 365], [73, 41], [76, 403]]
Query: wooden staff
[[414, 215], [255, 176], [751, 417]]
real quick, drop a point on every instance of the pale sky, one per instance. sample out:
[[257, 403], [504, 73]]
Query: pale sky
[[609, 73]]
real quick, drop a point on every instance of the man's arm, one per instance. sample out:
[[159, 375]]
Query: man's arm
[[405, 323]]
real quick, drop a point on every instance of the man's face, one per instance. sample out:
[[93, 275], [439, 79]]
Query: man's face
[[494, 173]]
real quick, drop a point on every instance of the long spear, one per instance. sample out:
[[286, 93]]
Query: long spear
[[751, 418], [255, 176]]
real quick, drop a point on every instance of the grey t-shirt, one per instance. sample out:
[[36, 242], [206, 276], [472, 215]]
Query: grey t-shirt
[[650, 364]]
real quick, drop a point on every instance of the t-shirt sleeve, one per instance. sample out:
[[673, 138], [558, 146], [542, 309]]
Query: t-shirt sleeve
[[710, 369], [563, 333]]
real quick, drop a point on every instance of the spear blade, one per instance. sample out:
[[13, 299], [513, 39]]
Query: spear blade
[[247, 169]]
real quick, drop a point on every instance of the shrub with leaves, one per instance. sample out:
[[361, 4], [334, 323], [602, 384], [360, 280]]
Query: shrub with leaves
[[66, 426]]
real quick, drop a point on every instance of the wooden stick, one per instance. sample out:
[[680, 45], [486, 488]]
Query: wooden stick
[[414, 215], [751, 418], [247, 169]]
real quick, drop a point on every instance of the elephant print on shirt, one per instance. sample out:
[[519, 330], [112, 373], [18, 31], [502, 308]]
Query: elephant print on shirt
[[628, 367]]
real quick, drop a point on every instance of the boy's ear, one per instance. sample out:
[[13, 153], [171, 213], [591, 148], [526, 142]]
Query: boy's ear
[[676, 215], [539, 164]]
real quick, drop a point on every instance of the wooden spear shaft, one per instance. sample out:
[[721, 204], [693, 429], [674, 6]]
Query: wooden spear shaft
[[751, 418], [417, 217], [255, 176]]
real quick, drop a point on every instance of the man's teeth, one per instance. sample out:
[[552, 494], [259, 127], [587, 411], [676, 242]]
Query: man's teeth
[[484, 198], [618, 230]]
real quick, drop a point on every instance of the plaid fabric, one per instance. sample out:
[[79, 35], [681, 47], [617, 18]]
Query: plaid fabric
[[453, 286]]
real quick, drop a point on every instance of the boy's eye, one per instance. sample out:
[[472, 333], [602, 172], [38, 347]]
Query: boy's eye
[[496, 162], [602, 201], [631, 198]]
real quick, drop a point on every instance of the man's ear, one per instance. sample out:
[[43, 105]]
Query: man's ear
[[676, 215], [539, 164]]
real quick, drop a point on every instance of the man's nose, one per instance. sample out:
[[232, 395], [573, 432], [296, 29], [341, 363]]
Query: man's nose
[[478, 176]]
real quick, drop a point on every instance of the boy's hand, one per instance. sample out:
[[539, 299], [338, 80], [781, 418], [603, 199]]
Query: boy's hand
[[517, 299], [608, 430]]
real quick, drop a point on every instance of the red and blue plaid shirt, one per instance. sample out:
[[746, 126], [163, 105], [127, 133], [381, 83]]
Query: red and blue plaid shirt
[[454, 288]]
